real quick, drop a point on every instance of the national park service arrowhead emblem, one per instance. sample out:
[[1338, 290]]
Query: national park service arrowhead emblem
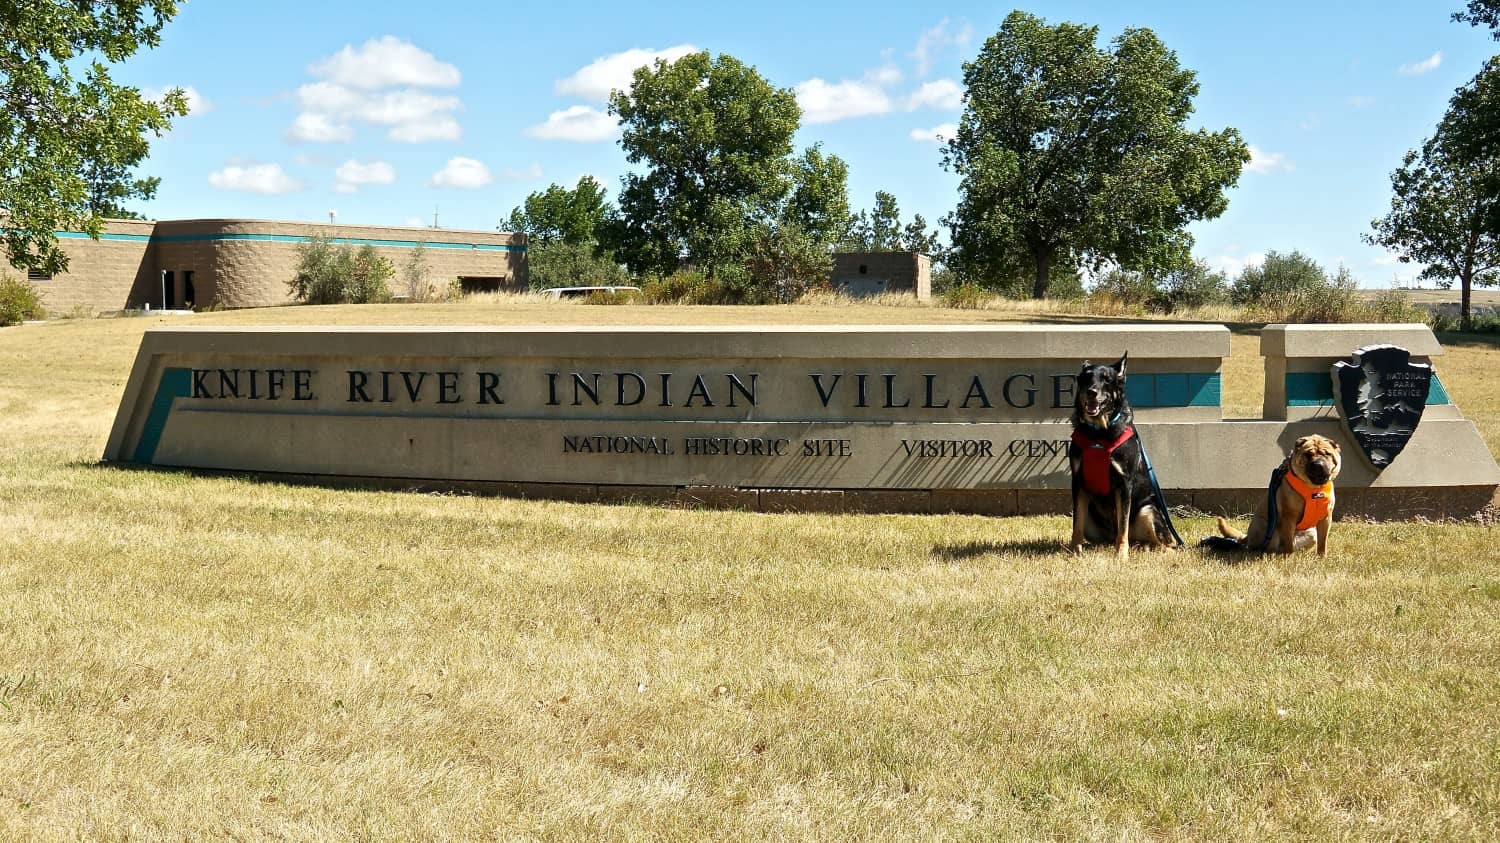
[[1381, 394]]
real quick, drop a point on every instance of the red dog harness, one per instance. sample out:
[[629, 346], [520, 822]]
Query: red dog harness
[[1316, 501], [1096, 455]]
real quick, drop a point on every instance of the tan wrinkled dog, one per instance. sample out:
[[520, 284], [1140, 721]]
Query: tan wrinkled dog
[[1304, 501]]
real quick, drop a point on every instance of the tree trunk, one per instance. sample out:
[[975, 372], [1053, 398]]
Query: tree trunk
[[1465, 320], [1466, 280], [1043, 267]]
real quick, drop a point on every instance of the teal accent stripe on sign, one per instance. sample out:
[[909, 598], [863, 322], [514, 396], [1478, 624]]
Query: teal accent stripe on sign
[[175, 383], [83, 235], [1314, 389], [1170, 389]]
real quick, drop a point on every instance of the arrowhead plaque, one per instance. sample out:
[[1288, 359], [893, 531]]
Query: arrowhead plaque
[[1381, 394]]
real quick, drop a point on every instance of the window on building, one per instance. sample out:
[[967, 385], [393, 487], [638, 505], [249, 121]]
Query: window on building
[[38, 275]]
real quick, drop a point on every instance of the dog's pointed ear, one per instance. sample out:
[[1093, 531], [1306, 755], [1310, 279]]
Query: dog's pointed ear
[[1120, 366]]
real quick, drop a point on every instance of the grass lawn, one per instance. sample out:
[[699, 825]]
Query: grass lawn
[[187, 656]]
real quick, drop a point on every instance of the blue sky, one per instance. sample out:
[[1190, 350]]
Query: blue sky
[[386, 112]]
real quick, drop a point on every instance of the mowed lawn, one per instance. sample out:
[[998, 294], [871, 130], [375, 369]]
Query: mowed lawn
[[206, 657]]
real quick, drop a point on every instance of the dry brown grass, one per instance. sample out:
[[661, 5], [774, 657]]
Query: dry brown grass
[[196, 657]]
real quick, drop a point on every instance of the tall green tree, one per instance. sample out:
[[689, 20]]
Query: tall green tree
[[719, 186], [69, 136], [560, 215], [1482, 13], [880, 230], [819, 202], [1445, 209], [1070, 154]]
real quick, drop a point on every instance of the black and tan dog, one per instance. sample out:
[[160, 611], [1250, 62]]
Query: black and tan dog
[[1298, 509], [1114, 499]]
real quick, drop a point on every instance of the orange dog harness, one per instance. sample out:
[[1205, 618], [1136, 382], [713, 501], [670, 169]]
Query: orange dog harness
[[1317, 501]]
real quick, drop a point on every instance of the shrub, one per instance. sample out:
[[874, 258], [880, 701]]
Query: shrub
[[1395, 306], [1278, 281], [689, 286], [1125, 289], [19, 300], [1337, 299], [329, 273], [964, 296], [558, 264], [608, 297], [1191, 285]]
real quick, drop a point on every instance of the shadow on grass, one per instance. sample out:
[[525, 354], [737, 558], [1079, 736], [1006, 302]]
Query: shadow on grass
[[971, 550]]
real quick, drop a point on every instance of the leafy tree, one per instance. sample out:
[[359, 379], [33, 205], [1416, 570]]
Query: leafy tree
[[1072, 155], [414, 272], [1482, 13], [917, 238], [1445, 209], [557, 214], [69, 136], [337, 273], [563, 264], [881, 230], [1280, 275], [885, 224], [720, 185], [1193, 284], [819, 201]]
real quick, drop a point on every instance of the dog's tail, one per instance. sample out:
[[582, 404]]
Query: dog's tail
[[1231, 539], [1230, 532]]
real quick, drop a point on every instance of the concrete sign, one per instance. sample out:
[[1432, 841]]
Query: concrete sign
[[936, 411]]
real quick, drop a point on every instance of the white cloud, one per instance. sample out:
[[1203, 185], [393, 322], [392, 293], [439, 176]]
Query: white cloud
[[462, 174], [1361, 102], [255, 178], [942, 94], [384, 63], [531, 173], [352, 174], [945, 34], [937, 134], [827, 102], [196, 102], [351, 93], [415, 222], [1263, 162], [886, 74], [1427, 65], [578, 123], [1233, 265], [310, 127], [437, 129], [595, 80], [404, 107], [1387, 259], [329, 98]]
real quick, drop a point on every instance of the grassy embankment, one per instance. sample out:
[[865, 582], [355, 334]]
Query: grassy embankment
[[187, 656]]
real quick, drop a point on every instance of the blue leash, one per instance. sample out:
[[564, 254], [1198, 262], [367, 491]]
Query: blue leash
[[1161, 499]]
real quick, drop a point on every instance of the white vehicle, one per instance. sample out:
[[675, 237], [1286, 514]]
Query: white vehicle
[[582, 292]]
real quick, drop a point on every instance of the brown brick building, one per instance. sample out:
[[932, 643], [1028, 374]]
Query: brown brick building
[[247, 263], [872, 273]]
